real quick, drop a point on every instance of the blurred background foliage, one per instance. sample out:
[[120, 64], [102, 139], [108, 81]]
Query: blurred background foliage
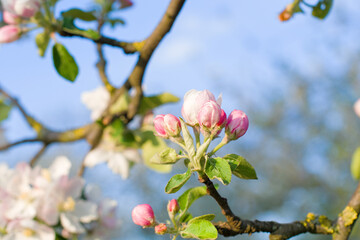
[[298, 97]]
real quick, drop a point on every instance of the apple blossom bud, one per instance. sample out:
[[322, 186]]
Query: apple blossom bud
[[161, 229], [211, 117], [9, 33], [193, 101], [22, 8], [143, 215], [167, 125], [357, 107], [237, 125], [10, 18], [173, 206], [125, 4]]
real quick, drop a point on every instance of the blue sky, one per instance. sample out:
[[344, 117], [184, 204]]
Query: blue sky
[[225, 46]]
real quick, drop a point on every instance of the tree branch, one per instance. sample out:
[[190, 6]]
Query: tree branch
[[127, 47], [278, 231], [30, 140], [38, 154], [348, 217], [150, 44]]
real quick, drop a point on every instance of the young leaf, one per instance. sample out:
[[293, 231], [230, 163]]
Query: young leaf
[[200, 229], [189, 196], [208, 217], [189, 141], [185, 217], [150, 146], [240, 167], [166, 156], [177, 181], [64, 63], [218, 168], [78, 13], [322, 8], [151, 102], [114, 21], [355, 164], [42, 42], [4, 111]]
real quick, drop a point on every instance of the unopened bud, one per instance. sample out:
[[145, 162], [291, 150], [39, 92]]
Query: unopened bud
[[357, 107], [125, 4], [173, 206], [161, 229], [10, 18], [237, 125], [167, 125], [9, 33], [143, 215]]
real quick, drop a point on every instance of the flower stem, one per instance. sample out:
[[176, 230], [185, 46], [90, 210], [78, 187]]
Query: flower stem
[[220, 145], [197, 135]]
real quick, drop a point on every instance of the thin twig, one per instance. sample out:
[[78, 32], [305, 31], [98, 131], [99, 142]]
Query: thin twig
[[235, 225], [38, 154], [127, 47], [30, 140]]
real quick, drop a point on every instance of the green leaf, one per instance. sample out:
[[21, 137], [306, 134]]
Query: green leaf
[[355, 164], [240, 167], [166, 156], [121, 134], [185, 217], [64, 63], [114, 21], [177, 181], [78, 13], [189, 196], [200, 229], [42, 41], [150, 146], [151, 102], [189, 141], [218, 168], [208, 217], [4, 111], [322, 8]]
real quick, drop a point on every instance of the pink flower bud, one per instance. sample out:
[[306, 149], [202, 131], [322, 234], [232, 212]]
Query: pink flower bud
[[10, 18], [22, 8], [173, 206], [143, 215], [211, 116], [193, 101], [125, 4], [9, 33], [237, 124], [161, 229], [357, 107], [167, 125]]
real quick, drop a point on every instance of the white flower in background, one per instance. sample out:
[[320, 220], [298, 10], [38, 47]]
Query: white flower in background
[[107, 214], [47, 176], [96, 100], [28, 230], [23, 198], [118, 161], [63, 201]]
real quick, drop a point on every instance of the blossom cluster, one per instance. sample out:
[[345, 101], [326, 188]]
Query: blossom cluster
[[43, 203], [202, 110], [17, 12]]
